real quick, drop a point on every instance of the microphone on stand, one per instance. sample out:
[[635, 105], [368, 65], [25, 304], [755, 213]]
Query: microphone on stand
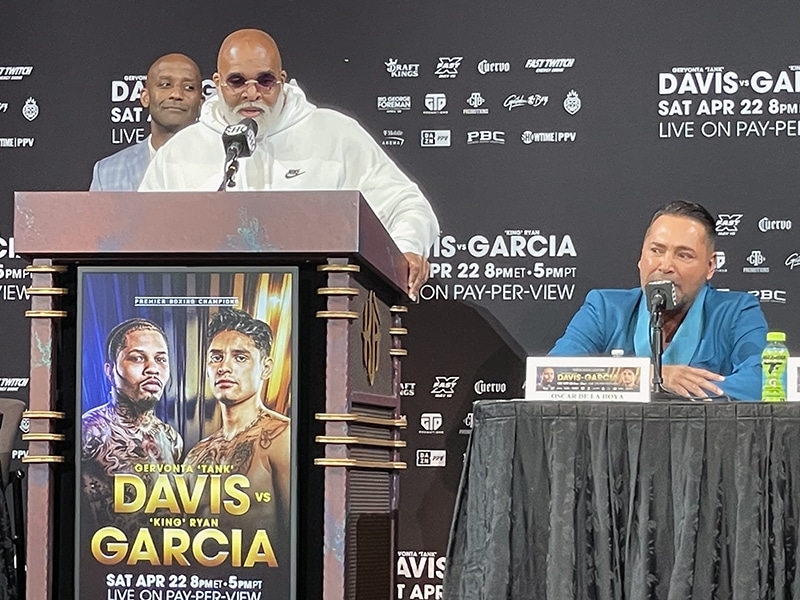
[[660, 296], [239, 141]]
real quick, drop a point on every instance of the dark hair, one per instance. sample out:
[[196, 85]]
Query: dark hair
[[116, 337], [232, 319], [691, 210]]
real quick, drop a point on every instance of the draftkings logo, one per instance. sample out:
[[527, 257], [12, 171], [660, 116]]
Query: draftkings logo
[[397, 69], [756, 258], [408, 388], [394, 104], [393, 137], [8, 73], [549, 65], [447, 68], [770, 296], [444, 387], [431, 423], [728, 224], [13, 384], [431, 458]]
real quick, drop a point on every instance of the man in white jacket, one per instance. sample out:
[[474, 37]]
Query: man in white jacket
[[299, 147]]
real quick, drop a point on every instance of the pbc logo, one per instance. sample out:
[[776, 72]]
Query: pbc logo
[[407, 389], [444, 387], [431, 422], [431, 458], [728, 224], [448, 67], [486, 137], [770, 296]]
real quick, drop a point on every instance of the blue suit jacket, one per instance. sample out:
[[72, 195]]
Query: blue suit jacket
[[123, 171], [731, 344]]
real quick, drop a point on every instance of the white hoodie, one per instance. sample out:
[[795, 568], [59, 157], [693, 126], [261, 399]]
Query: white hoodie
[[307, 148]]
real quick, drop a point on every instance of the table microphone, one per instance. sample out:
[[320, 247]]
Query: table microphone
[[661, 295]]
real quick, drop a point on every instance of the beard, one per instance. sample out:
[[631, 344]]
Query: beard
[[265, 121]]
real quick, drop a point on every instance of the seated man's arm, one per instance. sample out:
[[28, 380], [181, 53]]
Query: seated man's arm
[[585, 334], [749, 333], [97, 184]]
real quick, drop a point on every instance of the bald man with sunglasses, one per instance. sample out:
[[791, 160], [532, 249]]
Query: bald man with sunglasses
[[299, 147]]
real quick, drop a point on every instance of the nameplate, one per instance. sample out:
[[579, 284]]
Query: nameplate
[[793, 379], [593, 378]]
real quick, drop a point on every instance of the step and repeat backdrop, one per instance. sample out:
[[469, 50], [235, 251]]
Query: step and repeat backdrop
[[544, 133]]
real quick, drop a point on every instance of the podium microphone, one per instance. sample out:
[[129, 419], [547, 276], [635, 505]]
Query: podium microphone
[[660, 295], [240, 139], [240, 142]]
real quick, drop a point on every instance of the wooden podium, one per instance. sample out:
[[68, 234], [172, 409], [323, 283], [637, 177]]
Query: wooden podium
[[352, 281]]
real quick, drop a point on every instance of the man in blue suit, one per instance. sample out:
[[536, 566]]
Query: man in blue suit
[[712, 340], [172, 94]]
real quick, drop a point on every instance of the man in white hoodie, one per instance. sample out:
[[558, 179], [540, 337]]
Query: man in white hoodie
[[299, 147]]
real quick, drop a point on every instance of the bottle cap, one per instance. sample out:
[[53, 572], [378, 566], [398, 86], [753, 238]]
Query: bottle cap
[[776, 336], [617, 352]]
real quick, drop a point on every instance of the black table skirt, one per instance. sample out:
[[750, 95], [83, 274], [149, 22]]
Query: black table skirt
[[626, 501]]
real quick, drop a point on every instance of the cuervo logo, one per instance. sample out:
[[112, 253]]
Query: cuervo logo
[[765, 224], [485, 67], [482, 387]]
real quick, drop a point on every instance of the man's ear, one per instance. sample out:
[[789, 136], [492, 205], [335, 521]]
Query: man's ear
[[144, 98], [108, 369], [266, 368]]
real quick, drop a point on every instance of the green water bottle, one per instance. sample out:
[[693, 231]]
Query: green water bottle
[[773, 368]]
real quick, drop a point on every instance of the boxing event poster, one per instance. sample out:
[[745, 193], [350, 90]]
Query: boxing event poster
[[186, 465]]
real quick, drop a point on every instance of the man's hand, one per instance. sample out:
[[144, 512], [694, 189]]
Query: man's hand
[[417, 273], [690, 381]]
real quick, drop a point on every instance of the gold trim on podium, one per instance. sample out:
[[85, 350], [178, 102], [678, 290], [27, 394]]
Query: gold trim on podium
[[336, 314], [43, 437], [398, 352], [359, 441], [398, 308], [46, 314], [44, 414], [354, 418], [48, 291], [339, 268], [337, 291], [46, 268], [358, 464], [45, 458], [398, 331]]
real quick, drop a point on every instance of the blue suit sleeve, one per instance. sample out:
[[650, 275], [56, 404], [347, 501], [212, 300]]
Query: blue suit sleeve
[[749, 334], [585, 332]]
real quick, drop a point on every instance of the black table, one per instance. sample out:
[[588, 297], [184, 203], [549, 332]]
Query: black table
[[609, 500]]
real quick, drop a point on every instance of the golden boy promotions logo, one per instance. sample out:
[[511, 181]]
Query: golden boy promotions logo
[[371, 336]]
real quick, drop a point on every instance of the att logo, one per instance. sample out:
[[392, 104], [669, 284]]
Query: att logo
[[728, 224], [444, 387]]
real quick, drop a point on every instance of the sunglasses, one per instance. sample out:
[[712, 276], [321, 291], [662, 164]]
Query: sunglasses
[[264, 82]]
